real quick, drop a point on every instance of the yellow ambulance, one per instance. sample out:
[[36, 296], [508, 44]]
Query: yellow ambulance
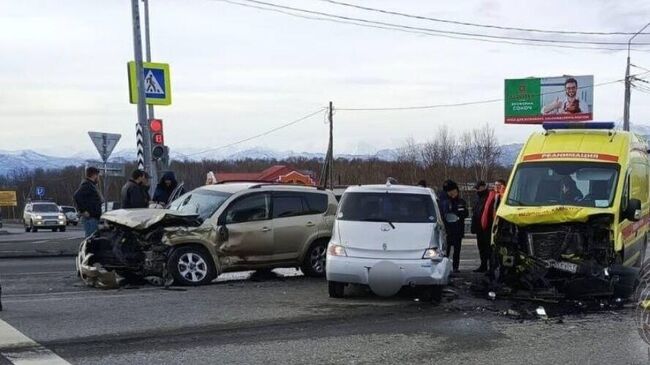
[[573, 221]]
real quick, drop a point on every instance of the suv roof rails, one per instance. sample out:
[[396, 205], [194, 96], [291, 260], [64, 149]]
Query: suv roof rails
[[285, 184], [239, 181]]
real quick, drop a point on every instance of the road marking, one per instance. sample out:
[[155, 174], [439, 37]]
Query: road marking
[[22, 350]]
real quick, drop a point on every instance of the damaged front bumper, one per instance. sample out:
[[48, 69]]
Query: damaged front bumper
[[132, 247], [566, 260]]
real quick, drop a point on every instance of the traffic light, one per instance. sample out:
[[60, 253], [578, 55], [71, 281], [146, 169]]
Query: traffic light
[[157, 138]]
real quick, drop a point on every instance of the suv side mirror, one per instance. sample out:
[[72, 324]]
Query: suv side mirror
[[633, 211]]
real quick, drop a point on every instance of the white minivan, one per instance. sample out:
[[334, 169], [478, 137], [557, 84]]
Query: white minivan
[[386, 237]]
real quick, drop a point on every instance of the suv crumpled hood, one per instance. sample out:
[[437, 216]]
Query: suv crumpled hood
[[141, 219], [524, 216]]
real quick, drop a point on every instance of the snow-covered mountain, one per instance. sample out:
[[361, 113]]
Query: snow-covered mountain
[[30, 160]]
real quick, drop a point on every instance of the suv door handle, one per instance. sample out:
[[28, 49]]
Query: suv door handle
[[310, 224], [266, 229]]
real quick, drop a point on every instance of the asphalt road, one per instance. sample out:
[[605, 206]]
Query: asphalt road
[[18, 243], [287, 318]]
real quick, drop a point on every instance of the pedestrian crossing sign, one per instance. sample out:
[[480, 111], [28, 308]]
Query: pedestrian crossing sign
[[157, 86]]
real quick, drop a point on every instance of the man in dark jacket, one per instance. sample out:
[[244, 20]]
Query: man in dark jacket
[[89, 201], [165, 188], [482, 235], [454, 211], [133, 195]]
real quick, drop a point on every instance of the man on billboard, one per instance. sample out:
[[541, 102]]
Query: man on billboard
[[571, 104]]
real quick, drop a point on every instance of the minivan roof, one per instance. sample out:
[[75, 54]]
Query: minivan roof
[[405, 189]]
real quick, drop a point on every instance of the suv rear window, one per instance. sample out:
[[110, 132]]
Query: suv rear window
[[387, 207]]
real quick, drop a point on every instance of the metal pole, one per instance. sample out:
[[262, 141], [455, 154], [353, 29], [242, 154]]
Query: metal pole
[[147, 45], [628, 83], [104, 187], [142, 110]]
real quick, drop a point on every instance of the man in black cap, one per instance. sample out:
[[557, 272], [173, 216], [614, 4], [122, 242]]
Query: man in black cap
[[482, 235], [454, 212]]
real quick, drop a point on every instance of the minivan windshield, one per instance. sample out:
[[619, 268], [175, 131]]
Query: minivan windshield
[[585, 184], [387, 207], [46, 208], [200, 201]]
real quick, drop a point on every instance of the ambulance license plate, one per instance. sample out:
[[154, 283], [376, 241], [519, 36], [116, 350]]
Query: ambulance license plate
[[565, 266]]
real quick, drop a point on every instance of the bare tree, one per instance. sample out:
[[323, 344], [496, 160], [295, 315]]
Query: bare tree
[[486, 151], [407, 157]]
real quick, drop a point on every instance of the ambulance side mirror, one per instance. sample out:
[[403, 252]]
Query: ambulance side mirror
[[633, 212]]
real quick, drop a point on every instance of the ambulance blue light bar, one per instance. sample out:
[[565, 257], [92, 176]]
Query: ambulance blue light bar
[[577, 125]]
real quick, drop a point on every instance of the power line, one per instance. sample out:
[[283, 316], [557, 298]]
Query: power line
[[553, 41], [261, 134], [476, 102], [440, 20], [397, 28]]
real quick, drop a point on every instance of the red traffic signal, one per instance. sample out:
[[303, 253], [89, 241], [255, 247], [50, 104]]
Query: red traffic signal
[[156, 125], [157, 138]]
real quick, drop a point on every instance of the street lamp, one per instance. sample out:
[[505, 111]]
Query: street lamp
[[628, 82]]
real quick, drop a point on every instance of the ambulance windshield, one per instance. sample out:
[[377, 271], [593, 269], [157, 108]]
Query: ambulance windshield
[[585, 184]]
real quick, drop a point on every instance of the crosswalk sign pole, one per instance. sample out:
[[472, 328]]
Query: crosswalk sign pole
[[142, 108]]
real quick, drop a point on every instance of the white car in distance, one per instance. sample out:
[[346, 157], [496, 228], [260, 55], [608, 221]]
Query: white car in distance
[[387, 237]]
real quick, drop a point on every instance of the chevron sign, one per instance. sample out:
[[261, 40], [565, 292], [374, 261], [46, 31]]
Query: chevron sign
[[140, 141]]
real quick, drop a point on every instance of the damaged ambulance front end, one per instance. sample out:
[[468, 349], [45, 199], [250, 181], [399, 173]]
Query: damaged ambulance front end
[[135, 245], [569, 230]]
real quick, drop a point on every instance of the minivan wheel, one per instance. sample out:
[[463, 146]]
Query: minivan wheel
[[191, 266], [31, 226], [336, 289], [314, 262]]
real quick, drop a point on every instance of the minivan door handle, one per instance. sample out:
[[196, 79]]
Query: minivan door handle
[[310, 224], [265, 229]]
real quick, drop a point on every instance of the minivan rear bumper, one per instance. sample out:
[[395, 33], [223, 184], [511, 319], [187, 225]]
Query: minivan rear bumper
[[413, 272]]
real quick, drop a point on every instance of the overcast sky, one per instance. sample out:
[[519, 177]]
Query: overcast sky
[[238, 71]]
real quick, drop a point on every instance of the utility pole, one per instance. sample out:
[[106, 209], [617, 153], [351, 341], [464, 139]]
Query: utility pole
[[331, 147], [327, 172], [142, 108], [628, 83]]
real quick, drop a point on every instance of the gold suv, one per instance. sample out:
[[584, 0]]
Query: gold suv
[[211, 230]]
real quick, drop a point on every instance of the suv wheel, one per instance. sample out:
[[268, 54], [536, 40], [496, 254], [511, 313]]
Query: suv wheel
[[336, 289], [314, 262], [32, 227], [191, 266]]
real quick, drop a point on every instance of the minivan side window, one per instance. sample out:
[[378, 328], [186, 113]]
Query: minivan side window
[[248, 209], [287, 205]]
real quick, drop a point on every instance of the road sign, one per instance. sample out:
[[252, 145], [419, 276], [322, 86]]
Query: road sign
[[8, 199], [105, 143], [110, 169], [157, 84], [40, 191]]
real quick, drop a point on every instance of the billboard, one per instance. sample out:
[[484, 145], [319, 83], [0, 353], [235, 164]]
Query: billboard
[[562, 98], [8, 199]]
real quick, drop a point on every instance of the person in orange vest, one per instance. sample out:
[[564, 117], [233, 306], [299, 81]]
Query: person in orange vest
[[491, 204]]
